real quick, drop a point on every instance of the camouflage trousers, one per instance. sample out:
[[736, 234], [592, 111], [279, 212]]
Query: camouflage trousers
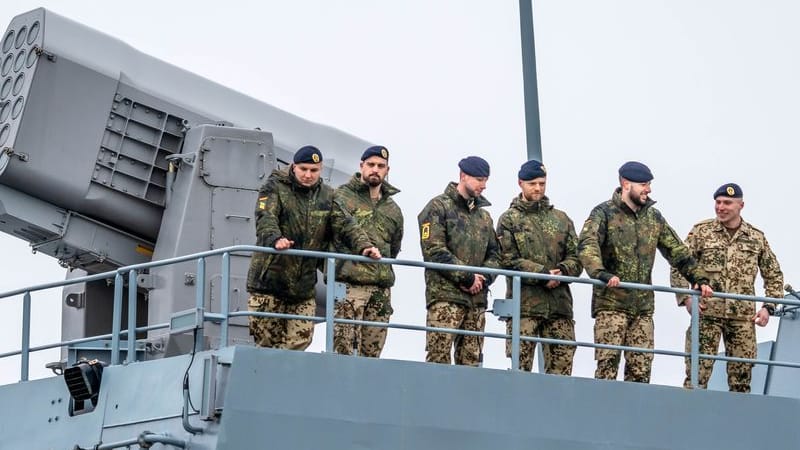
[[468, 349], [739, 337], [618, 328], [290, 334], [557, 358], [370, 303]]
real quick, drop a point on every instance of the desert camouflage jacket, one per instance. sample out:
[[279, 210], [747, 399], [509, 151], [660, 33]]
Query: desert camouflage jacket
[[452, 232], [732, 263], [535, 237], [285, 208], [615, 240], [382, 221]]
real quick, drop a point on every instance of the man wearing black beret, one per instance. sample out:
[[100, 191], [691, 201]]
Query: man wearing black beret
[[294, 210], [455, 229], [731, 251], [367, 197], [536, 237], [618, 243]]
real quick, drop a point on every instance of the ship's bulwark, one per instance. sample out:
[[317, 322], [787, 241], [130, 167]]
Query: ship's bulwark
[[296, 400]]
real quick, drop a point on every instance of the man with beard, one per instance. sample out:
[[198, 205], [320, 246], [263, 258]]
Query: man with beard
[[368, 198], [535, 237], [455, 229], [618, 243], [732, 252], [294, 210]]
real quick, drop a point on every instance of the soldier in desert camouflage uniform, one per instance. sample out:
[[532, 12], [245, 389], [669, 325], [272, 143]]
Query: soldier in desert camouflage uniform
[[368, 198], [535, 237], [455, 229], [294, 210], [732, 252], [618, 243]]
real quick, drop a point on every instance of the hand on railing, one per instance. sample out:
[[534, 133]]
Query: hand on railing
[[553, 283], [478, 282], [283, 243], [371, 252], [761, 318]]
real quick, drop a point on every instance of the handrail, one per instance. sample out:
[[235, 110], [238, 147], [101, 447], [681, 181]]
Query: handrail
[[226, 314]]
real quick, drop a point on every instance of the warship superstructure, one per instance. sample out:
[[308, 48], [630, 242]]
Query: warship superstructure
[[140, 178]]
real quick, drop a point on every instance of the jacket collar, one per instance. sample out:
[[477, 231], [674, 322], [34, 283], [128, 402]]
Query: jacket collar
[[452, 192], [526, 206], [616, 198], [745, 228], [359, 186]]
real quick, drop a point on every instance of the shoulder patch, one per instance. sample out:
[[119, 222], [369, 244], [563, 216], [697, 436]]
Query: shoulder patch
[[425, 230], [262, 203]]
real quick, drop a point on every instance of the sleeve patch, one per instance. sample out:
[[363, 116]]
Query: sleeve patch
[[262, 203], [425, 232]]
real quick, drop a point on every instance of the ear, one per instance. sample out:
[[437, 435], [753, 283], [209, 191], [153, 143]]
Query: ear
[[519, 183]]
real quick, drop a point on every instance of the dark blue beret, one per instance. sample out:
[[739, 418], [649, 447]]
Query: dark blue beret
[[532, 169], [375, 150], [474, 166], [307, 154], [636, 172], [729, 190]]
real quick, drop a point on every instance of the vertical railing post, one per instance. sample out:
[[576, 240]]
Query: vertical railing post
[[695, 343], [116, 321], [200, 299], [225, 299], [26, 337], [131, 356], [515, 321], [329, 291]]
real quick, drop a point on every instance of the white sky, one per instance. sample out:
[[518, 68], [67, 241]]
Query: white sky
[[703, 92]]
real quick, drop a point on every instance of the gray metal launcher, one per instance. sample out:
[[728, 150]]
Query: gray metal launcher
[[110, 157]]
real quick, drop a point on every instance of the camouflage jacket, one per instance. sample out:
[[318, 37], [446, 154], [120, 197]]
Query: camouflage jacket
[[535, 237], [303, 214], [452, 233], [617, 241], [732, 264], [382, 221]]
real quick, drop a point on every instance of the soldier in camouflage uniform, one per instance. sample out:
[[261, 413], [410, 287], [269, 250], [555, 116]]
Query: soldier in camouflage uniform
[[294, 210], [732, 252], [535, 237], [618, 243], [368, 198], [455, 229]]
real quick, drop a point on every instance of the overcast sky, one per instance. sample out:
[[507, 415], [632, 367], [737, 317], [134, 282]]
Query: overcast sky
[[704, 92]]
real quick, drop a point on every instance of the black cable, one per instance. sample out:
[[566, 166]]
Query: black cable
[[186, 374]]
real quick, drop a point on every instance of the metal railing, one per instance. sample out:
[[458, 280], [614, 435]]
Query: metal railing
[[224, 317]]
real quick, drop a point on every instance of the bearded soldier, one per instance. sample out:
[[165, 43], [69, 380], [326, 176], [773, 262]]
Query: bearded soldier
[[536, 237]]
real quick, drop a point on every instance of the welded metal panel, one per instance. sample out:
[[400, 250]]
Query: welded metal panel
[[302, 400], [36, 416]]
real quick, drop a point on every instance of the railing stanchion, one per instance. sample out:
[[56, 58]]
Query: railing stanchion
[[26, 337], [515, 321], [131, 356], [329, 288], [116, 322], [200, 290], [695, 343], [225, 299]]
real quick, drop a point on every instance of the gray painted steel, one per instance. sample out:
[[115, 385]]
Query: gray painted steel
[[286, 399]]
